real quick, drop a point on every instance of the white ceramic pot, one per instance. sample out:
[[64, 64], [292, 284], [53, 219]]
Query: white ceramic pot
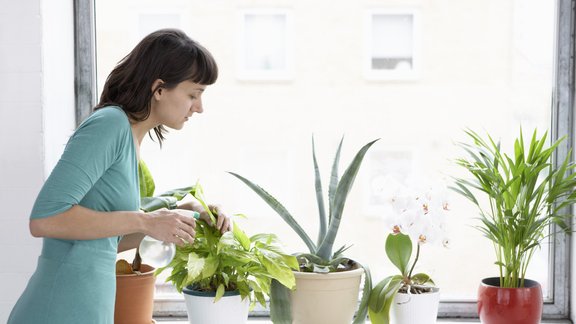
[[202, 309], [415, 308], [325, 297]]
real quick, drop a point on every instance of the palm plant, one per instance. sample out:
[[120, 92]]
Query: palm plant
[[526, 193], [321, 256]]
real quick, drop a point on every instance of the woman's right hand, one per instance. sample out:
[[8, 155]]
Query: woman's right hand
[[172, 225]]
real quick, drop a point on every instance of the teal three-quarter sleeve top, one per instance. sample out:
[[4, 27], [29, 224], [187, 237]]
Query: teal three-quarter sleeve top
[[75, 280]]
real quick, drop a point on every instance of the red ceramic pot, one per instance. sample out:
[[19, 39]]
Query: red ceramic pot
[[509, 305]]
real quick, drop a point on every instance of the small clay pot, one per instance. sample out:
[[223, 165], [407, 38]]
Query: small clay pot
[[135, 297]]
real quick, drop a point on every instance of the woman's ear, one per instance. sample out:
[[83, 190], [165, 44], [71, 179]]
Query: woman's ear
[[157, 88]]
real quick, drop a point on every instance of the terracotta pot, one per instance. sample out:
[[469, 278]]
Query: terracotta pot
[[135, 297], [325, 297], [202, 309], [509, 305], [415, 308]]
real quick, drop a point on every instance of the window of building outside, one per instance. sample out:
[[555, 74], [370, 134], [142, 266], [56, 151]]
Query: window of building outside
[[484, 65], [264, 45], [393, 44]]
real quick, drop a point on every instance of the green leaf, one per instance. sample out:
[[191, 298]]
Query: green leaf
[[344, 186], [319, 196], [211, 263], [381, 299], [399, 250], [219, 292], [421, 279], [279, 273], [363, 307], [281, 210], [145, 180], [376, 300], [149, 204], [334, 177], [179, 193], [194, 266], [525, 192], [241, 237], [198, 193]]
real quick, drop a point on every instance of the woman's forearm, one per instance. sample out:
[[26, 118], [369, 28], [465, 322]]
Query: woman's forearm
[[80, 223]]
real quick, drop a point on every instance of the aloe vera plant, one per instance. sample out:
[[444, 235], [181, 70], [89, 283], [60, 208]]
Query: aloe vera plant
[[321, 256]]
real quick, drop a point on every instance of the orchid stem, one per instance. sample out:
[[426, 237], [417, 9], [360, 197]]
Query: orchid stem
[[415, 260]]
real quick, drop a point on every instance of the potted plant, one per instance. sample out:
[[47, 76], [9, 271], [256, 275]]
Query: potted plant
[[222, 275], [325, 278], [527, 194], [135, 281], [416, 215]]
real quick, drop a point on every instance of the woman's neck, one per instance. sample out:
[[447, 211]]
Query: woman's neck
[[139, 130]]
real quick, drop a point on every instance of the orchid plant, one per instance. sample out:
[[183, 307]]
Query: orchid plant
[[417, 216]]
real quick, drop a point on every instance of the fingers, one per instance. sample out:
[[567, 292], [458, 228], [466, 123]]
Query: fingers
[[224, 223], [175, 226], [186, 217], [189, 230], [222, 220], [183, 237]]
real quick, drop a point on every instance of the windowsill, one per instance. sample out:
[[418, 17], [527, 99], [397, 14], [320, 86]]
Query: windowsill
[[267, 321]]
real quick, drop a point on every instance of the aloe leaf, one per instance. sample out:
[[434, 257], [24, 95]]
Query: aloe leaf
[[319, 197], [313, 258], [344, 186], [363, 307], [280, 304], [281, 210], [334, 178]]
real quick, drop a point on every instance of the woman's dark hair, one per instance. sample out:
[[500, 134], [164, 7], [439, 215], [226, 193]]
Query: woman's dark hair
[[167, 54]]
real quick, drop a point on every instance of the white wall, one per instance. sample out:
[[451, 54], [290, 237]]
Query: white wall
[[36, 115]]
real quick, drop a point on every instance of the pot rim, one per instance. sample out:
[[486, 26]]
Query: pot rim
[[435, 290], [494, 283], [329, 275], [191, 291], [139, 274]]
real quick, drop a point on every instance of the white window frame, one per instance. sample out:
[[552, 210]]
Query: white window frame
[[562, 124], [375, 74], [242, 72]]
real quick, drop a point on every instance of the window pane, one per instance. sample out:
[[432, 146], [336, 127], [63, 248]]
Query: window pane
[[392, 41], [487, 65], [264, 42]]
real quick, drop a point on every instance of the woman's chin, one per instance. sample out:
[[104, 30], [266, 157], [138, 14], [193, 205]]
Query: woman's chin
[[175, 127]]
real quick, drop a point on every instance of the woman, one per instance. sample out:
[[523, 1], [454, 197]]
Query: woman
[[88, 208]]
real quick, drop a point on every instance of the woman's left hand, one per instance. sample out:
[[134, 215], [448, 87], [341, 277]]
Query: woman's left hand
[[223, 222]]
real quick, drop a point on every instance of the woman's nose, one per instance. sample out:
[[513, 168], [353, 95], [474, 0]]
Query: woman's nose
[[197, 106]]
